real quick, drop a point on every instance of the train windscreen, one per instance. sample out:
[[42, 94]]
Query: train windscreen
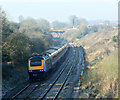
[[36, 63]]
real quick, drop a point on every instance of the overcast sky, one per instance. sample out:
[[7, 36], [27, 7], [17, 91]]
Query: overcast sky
[[52, 10]]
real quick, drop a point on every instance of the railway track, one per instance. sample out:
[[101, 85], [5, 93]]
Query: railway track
[[52, 92], [30, 87], [70, 85], [24, 93], [47, 89], [13, 97], [53, 81]]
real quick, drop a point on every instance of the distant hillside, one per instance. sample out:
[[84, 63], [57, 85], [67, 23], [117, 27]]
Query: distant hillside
[[98, 44]]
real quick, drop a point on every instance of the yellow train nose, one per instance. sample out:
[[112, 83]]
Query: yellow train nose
[[36, 67]]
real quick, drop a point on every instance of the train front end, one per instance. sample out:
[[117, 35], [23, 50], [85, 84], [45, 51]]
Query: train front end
[[36, 67]]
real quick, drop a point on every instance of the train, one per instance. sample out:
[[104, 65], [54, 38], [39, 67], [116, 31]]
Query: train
[[39, 66]]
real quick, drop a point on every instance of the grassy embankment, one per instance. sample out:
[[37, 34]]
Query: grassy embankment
[[103, 77], [100, 78]]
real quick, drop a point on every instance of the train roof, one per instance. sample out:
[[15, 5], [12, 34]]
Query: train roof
[[48, 53], [36, 58]]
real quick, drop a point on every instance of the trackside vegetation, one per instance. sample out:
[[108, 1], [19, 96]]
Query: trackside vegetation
[[104, 77], [100, 78], [21, 40]]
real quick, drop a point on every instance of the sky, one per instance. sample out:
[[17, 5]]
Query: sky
[[61, 10]]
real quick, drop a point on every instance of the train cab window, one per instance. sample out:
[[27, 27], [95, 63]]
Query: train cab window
[[36, 63]]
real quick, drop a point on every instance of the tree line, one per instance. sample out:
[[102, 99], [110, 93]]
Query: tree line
[[24, 39]]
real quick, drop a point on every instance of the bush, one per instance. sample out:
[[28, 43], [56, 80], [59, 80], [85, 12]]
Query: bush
[[16, 48], [115, 38], [37, 45]]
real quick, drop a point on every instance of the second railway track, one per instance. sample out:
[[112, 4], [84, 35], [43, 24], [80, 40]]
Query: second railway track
[[57, 86]]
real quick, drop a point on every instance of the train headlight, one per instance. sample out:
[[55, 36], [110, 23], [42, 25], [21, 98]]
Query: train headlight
[[30, 70]]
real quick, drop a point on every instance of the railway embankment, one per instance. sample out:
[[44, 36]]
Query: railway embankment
[[100, 79], [13, 76]]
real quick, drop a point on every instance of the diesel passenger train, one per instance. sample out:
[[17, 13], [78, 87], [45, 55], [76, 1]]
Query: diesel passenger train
[[38, 66]]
